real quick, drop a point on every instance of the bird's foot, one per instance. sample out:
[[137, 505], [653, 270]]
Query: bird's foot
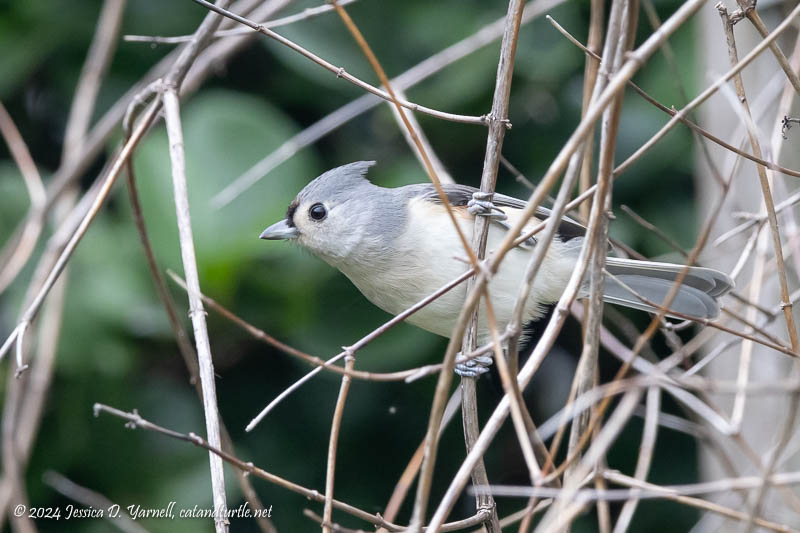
[[482, 206], [474, 367]]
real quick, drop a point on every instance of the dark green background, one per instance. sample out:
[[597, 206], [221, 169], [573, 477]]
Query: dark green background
[[116, 346]]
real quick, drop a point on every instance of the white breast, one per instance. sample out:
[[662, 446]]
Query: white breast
[[424, 259]]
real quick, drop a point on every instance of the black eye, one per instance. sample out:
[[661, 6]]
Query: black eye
[[317, 212]]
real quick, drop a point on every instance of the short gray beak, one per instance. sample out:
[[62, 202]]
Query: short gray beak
[[279, 231]]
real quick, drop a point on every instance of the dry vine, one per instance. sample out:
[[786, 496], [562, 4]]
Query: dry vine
[[757, 326]]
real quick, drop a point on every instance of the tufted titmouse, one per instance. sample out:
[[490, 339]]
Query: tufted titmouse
[[398, 246]]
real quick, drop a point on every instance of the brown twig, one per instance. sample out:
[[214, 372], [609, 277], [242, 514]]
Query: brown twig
[[617, 82], [752, 15], [328, 364], [333, 443], [137, 421], [702, 97], [392, 97], [642, 489], [419, 137], [17, 250], [208, 62], [705, 321], [672, 62], [644, 338], [529, 440], [786, 303], [694, 502], [358, 345], [634, 60], [33, 309], [765, 187], [618, 35], [444, 377], [683, 396], [559, 516], [542, 245], [518, 175], [412, 76], [340, 72], [307, 13], [678, 115], [406, 479], [30, 392], [184, 345], [498, 117], [594, 41]]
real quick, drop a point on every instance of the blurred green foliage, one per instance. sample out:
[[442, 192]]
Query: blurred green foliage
[[116, 347]]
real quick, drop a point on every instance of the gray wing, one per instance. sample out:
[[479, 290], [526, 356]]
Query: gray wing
[[697, 295], [459, 195]]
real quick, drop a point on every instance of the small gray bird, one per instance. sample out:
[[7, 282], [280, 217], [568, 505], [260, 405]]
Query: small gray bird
[[398, 246]]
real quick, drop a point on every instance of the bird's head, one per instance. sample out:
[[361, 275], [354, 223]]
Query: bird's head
[[338, 215]]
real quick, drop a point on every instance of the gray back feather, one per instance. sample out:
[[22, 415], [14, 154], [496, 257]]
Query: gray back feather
[[459, 195]]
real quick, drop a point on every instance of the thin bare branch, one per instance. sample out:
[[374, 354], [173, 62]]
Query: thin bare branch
[[358, 345], [702, 97], [557, 517], [439, 168], [753, 16], [113, 172], [91, 499], [489, 33], [498, 117], [333, 443], [340, 72], [94, 68], [403, 485], [16, 251], [30, 392], [696, 502], [308, 13], [706, 322], [137, 421], [764, 181], [617, 38], [680, 116], [196, 312], [646, 449], [185, 347], [649, 490]]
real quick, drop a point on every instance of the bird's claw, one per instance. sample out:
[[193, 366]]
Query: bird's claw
[[482, 206], [474, 367]]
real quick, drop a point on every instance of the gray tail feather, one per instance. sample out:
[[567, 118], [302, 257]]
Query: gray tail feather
[[697, 295]]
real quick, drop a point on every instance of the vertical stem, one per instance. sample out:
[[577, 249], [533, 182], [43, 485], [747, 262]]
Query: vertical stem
[[336, 424], [196, 312], [634, 60], [184, 343], [753, 16], [491, 162], [593, 43], [645, 456], [769, 204], [620, 27], [786, 302]]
